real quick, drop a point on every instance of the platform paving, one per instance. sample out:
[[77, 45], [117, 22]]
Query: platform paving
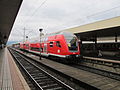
[[10, 76], [5, 76]]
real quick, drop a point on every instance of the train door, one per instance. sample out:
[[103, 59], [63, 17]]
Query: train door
[[58, 47], [45, 48]]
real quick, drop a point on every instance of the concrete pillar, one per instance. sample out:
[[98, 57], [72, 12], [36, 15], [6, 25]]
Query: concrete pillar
[[115, 38], [80, 46]]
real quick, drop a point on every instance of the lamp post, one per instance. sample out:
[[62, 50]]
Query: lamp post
[[40, 41], [27, 43], [26, 38]]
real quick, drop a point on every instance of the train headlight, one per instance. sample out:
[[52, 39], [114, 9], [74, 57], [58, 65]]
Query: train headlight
[[77, 55], [58, 51]]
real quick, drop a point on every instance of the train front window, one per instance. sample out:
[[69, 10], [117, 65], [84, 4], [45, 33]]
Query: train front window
[[72, 43]]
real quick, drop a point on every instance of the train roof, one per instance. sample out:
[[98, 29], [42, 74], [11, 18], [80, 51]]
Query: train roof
[[60, 33], [44, 37]]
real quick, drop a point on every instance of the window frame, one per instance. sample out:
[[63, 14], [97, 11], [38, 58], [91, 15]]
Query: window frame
[[58, 44], [51, 44]]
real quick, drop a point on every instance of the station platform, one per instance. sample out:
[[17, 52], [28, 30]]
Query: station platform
[[10, 76]]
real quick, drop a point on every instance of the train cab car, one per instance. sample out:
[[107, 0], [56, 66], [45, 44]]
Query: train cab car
[[63, 44]]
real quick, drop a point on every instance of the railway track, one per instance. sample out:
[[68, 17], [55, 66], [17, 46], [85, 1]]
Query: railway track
[[98, 71], [102, 61], [40, 79], [108, 74]]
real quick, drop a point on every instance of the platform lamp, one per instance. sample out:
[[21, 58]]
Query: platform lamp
[[40, 41], [27, 42], [26, 38]]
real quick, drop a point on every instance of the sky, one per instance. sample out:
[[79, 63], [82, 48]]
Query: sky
[[57, 15]]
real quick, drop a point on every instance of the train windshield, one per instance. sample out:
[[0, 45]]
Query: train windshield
[[71, 42]]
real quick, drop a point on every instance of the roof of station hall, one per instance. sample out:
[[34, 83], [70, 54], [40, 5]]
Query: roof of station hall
[[9, 10], [109, 27]]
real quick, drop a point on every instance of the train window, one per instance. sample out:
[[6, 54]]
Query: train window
[[27, 45], [117, 46], [51, 44], [58, 43], [35, 49]]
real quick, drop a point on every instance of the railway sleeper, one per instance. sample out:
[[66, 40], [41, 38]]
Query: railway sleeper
[[37, 75], [116, 65], [55, 88], [37, 78], [45, 80], [40, 74], [114, 76], [46, 83], [108, 64], [50, 86]]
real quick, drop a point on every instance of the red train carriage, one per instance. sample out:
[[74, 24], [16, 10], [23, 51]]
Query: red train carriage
[[35, 46], [25, 46], [62, 44]]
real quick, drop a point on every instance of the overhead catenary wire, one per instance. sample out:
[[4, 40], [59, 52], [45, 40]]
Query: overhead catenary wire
[[29, 18], [35, 11], [28, 11], [103, 11]]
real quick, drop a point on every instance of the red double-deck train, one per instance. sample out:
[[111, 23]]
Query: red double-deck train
[[60, 44]]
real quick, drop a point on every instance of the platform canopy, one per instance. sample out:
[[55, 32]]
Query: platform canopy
[[104, 28], [8, 12]]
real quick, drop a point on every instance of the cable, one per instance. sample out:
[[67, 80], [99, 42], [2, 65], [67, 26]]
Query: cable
[[102, 11], [35, 11], [28, 11], [38, 7]]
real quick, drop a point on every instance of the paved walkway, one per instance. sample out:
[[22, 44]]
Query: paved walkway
[[10, 76]]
